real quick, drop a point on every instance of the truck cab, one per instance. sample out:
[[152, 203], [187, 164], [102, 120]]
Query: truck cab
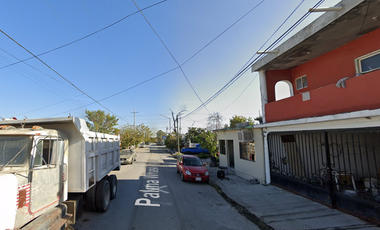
[[32, 164], [54, 165]]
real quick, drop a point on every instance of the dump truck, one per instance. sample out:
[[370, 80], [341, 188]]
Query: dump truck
[[51, 168]]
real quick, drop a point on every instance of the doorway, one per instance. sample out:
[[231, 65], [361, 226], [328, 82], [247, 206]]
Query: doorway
[[230, 153]]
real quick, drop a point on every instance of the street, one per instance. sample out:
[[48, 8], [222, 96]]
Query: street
[[151, 196]]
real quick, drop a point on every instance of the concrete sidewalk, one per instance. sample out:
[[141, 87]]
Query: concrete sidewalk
[[271, 207]]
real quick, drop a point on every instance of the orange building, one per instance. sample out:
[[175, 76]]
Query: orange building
[[323, 141]]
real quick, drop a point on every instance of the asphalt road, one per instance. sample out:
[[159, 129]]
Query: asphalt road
[[151, 196]]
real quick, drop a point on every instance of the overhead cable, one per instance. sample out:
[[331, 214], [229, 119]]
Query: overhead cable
[[89, 35], [246, 67], [170, 55], [222, 32], [95, 101]]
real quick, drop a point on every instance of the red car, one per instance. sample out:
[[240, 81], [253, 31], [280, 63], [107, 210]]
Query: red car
[[191, 168]]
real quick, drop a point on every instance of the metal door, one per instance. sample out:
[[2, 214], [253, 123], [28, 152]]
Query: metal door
[[46, 176], [230, 153]]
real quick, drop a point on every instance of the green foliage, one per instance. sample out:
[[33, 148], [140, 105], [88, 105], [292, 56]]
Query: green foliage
[[203, 155], [102, 122], [194, 134], [240, 119], [171, 142], [131, 136], [159, 135], [208, 141]]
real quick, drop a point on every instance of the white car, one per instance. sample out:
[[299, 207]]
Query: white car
[[127, 156]]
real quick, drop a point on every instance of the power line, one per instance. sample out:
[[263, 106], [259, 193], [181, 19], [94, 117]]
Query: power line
[[245, 69], [89, 35], [34, 78], [170, 54], [58, 73], [240, 93], [125, 90], [223, 32]]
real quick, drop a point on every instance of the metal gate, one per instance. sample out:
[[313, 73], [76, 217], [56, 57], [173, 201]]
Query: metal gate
[[340, 168]]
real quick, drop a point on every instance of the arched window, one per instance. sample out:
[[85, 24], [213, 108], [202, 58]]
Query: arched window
[[283, 89]]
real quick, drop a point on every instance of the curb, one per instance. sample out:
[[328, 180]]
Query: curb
[[242, 210]]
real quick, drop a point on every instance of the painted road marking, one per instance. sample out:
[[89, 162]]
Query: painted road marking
[[152, 189]]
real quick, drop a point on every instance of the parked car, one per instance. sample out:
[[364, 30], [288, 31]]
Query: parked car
[[191, 168], [127, 156], [142, 145]]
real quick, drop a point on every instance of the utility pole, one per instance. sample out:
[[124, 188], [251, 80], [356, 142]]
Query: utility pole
[[178, 135], [177, 128], [134, 123], [134, 119], [180, 124], [169, 123]]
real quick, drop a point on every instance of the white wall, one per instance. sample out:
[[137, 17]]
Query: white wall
[[244, 168]]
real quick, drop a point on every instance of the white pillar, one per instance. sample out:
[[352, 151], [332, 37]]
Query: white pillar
[[266, 157], [263, 92]]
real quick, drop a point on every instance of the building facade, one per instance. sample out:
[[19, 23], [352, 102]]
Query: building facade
[[323, 141], [241, 150]]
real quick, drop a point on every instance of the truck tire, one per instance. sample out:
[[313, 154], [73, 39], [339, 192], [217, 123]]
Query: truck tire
[[89, 197], [112, 179], [103, 196]]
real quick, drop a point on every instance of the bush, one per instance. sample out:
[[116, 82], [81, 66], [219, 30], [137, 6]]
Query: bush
[[203, 155]]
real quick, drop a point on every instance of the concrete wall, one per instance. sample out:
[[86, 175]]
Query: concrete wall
[[328, 68], [322, 75], [244, 168]]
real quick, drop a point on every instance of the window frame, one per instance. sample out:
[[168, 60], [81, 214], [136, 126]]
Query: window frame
[[222, 148], [358, 66], [302, 82], [252, 155]]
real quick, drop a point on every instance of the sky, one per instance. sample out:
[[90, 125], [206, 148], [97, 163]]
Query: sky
[[106, 55]]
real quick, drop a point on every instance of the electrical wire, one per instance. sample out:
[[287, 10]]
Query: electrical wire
[[37, 80], [95, 101], [134, 86], [79, 39], [246, 68], [240, 93], [223, 32], [179, 66], [108, 55]]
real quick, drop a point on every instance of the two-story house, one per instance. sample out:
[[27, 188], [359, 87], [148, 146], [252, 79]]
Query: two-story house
[[323, 141]]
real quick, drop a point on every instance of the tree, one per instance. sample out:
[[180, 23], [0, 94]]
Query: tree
[[175, 119], [102, 122], [159, 135], [214, 121], [171, 142], [127, 136], [208, 141], [240, 119], [145, 132], [194, 134], [131, 135]]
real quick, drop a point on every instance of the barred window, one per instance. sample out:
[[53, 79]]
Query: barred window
[[247, 151], [222, 147]]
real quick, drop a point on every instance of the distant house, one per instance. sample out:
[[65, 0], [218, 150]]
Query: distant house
[[241, 150], [324, 140]]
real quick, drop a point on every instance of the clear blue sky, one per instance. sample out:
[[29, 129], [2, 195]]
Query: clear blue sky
[[121, 58]]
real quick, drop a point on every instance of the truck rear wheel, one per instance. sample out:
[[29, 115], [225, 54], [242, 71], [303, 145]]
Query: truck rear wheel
[[90, 199], [112, 179], [103, 196]]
